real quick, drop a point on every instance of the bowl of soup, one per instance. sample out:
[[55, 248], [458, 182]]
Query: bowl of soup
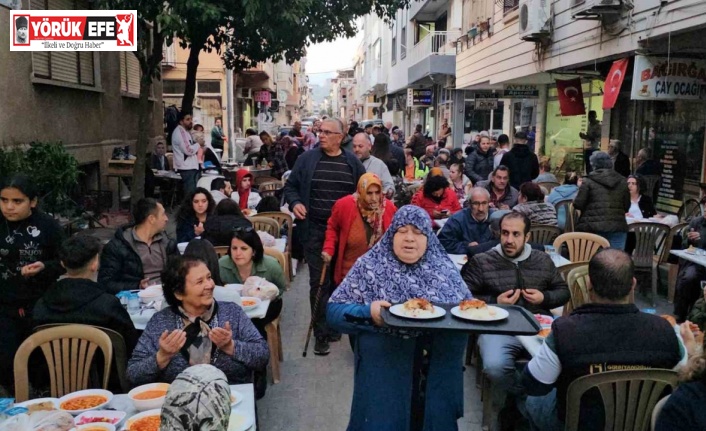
[[148, 420], [148, 397], [83, 401]]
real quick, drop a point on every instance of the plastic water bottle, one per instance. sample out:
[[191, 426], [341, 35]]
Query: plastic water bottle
[[133, 303], [649, 310]]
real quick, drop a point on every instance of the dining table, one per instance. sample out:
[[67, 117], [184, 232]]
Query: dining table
[[697, 256], [121, 402]]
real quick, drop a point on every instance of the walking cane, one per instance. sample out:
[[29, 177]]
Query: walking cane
[[315, 310]]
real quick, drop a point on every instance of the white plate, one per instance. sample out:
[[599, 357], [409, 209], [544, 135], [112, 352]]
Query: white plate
[[153, 412], [240, 421], [26, 404], [227, 294], [250, 307], [110, 414], [238, 397], [399, 311], [98, 425], [500, 314], [87, 392]]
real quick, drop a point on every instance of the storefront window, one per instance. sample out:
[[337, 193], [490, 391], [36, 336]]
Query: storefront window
[[562, 142], [476, 121]]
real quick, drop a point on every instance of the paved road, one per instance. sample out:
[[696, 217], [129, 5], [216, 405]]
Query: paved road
[[315, 392]]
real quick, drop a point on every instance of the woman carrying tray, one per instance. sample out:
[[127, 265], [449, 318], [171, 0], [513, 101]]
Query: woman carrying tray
[[407, 263]]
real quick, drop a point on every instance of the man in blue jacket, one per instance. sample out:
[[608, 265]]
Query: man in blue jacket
[[319, 178], [469, 227]]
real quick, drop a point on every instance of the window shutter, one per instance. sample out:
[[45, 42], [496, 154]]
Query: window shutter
[[64, 66], [123, 71], [133, 74], [86, 64], [40, 64], [37, 4]]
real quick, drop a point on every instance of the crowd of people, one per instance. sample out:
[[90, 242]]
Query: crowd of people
[[378, 215]]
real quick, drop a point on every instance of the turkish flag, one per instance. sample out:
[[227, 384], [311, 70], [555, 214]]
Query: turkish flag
[[570, 97], [611, 88]]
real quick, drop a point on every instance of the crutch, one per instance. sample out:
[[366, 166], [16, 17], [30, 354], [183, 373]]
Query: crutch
[[315, 310]]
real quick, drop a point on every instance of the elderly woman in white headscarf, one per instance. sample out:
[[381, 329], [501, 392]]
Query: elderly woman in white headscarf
[[407, 263]]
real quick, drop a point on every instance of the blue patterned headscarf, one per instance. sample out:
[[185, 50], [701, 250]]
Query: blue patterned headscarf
[[380, 275]]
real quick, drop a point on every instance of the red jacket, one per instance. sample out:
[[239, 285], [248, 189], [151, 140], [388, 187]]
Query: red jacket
[[448, 202], [339, 224]]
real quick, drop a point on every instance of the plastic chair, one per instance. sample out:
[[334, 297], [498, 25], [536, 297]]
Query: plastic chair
[[671, 268], [282, 259], [690, 209], [266, 224], [119, 352], [549, 185], [629, 397], [657, 411], [650, 241], [564, 270], [269, 188], [567, 206], [544, 234], [69, 351], [284, 219], [221, 250], [577, 280], [582, 246], [274, 342], [265, 179]]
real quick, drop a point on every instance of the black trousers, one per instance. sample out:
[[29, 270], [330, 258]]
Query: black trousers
[[14, 330], [318, 294], [688, 288]]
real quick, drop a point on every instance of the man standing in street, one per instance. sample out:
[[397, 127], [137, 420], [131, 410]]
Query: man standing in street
[[319, 178], [217, 136], [373, 165], [523, 163], [502, 195], [185, 153], [417, 143], [592, 138], [621, 161]]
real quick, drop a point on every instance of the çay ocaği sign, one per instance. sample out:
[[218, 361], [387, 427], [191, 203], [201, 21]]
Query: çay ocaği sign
[[659, 78]]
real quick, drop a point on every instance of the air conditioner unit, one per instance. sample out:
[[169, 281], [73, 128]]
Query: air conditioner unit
[[535, 20], [595, 9], [244, 93]]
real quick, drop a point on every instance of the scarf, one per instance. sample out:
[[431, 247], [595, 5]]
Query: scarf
[[243, 194], [380, 275], [372, 216], [198, 348], [199, 398]]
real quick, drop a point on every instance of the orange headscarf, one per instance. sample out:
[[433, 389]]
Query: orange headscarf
[[372, 216], [436, 172]]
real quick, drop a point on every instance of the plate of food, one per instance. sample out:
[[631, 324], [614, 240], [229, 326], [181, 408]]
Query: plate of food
[[148, 420], [417, 308], [83, 401], [544, 333], [250, 302], [691, 250], [235, 398], [479, 311], [112, 417], [240, 421], [40, 405], [543, 320]]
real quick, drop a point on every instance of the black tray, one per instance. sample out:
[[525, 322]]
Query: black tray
[[518, 322]]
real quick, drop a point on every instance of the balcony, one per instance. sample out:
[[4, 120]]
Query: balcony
[[427, 10], [434, 54]]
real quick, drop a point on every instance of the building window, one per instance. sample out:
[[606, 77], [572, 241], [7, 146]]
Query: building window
[[172, 86], [394, 49], [403, 41], [377, 50], [208, 87], [510, 5], [70, 67], [130, 73]]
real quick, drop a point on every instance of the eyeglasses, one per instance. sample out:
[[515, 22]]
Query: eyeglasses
[[247, 229], [329, 132], [479, 204]]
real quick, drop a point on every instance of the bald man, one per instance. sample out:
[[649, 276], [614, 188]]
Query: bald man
[[373, 165]]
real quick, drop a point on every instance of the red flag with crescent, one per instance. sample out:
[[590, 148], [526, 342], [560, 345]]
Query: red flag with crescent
[[570, 97], [611, 88]]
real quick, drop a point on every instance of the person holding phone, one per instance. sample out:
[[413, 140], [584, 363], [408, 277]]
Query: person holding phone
[[437, 197]]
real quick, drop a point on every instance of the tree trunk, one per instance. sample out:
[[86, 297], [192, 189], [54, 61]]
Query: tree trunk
[[192, 65]]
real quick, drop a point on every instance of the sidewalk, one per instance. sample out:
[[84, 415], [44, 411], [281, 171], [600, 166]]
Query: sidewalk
[[315, 392]]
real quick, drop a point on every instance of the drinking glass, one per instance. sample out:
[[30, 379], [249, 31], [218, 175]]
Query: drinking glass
[[133, 304]]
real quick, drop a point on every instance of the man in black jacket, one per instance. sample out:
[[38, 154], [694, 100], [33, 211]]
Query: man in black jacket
[[512, 274], [523, 164], [319, 178], [135, 257], [77, 298], [609, 333], [621, 162]]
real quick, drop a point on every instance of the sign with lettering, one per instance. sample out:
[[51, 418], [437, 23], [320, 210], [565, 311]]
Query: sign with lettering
[[661, 78], [263, 96], [486, 102], [421, 98], [519, 91]]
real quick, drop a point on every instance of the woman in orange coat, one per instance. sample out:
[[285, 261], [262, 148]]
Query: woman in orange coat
[[357, 222], [437, 198]]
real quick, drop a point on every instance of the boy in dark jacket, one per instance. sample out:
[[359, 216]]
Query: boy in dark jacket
[[77, 298]]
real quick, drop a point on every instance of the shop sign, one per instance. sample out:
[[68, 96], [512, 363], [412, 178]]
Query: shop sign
[[263, 96], [420, 98], [520, 91], [486, 102], [660, 78]]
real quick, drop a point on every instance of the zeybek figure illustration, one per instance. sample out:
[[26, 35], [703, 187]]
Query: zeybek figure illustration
[[124, 30], [21, 26]]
